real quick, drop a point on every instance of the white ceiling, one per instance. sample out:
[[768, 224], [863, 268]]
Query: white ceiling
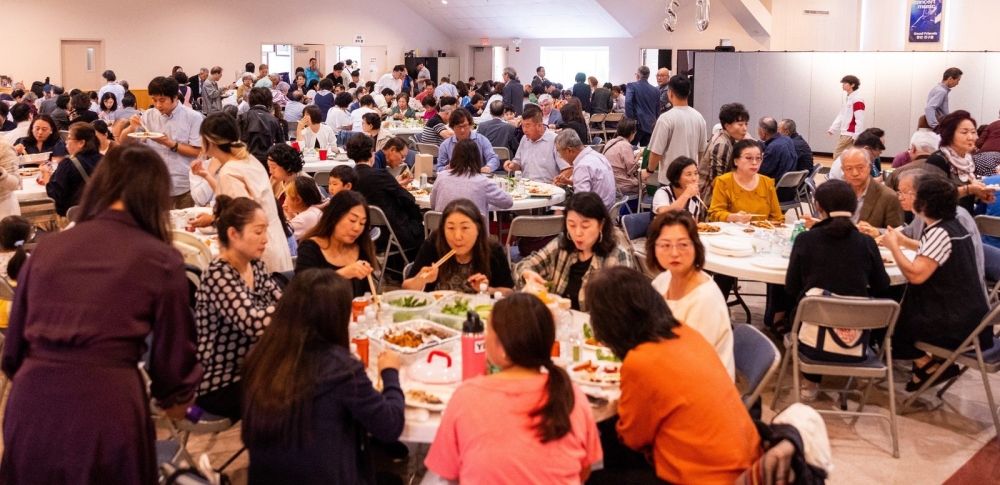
[[528, 19]]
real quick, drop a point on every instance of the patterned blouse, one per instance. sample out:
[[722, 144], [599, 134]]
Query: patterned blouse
[[230, 317], [553, 264]]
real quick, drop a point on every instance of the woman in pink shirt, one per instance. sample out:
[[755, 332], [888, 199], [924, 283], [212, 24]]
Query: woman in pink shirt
[[520, 425]]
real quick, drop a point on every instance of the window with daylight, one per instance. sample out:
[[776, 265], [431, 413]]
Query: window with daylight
[[562, 63]]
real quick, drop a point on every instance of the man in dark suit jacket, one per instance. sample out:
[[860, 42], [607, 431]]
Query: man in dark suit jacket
[[642, 103], [498, 131], [803, 152], [779, 155], [195, 84], [382, 190]]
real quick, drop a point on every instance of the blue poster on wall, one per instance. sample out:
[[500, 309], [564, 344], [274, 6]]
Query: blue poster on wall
[[925, 20]]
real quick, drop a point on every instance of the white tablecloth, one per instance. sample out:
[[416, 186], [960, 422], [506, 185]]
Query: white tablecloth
[[748, 268], [558, 196], [405, 131], [421, 425], [30, 190], [314, 165]]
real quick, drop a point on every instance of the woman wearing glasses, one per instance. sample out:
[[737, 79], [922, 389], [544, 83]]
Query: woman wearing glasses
[[743, 194]]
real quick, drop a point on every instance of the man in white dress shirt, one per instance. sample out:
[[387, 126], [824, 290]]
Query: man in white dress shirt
[[393, 80], [536, 156], [591, 171]]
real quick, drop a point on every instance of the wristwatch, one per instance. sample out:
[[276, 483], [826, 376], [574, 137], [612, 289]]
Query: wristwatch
[[174, 148]]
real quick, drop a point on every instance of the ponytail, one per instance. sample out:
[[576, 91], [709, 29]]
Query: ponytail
[[555, 412], [238, 150], [16, 262]]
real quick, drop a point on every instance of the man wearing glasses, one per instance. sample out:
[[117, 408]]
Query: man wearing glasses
[[461, 124]]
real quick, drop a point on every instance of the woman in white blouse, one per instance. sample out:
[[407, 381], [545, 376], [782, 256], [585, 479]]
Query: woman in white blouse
[[682, 193], [674, 248], [312, 132], [303, 205], [242, 175]]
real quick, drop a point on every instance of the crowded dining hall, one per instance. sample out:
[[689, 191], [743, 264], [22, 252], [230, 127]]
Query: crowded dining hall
[[644, 242]]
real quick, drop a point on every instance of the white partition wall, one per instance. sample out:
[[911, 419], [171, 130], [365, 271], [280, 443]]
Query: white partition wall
[[805, 87]]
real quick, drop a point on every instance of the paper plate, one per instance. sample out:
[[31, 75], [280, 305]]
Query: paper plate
[[743, 231], [727, 243], [146, 135], [600, 378], [772, 263], [745, 253], [440, 392]]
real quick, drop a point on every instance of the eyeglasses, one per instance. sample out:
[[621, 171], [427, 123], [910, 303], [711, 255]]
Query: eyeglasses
[[683, 246], [906, 193], [463, 126], [757, 159]]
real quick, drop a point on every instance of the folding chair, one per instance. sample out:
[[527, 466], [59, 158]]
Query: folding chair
[[792, 180], [807, 190], [847, 313], [322, 179], [611, 118], [377, 218], [530, 226], [193, 274], [41, 213], [599, 148], [595, 119], [990, 226], [195, 252], [72, 213], [636, 228], [503, 153], [428, 149], [756, 360], [616, 209], [969, 355], [432, 219]]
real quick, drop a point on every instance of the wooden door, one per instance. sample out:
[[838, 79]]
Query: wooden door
[[82, 64]]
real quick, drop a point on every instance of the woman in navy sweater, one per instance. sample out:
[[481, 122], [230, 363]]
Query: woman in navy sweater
[[309, 406]]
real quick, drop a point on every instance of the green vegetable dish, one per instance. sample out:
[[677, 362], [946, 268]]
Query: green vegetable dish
[[408, 302], [461, 307]]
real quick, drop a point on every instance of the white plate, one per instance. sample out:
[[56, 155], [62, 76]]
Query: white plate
[[890, 258], [730, 244], [443, 393], [773, 263], [739, 231], [721, 230], [146, 135], [208, 231], [745, 253], [439, 294], [584, 378]]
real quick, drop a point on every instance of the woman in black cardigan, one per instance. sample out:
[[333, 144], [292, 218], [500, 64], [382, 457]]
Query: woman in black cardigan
[[818, 261]]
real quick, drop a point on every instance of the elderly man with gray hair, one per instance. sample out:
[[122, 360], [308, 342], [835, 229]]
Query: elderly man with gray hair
[[513, 91], [878, 206], [804, 155], [922, 144], [591, 172]]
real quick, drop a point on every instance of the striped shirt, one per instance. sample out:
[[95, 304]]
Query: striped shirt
[[935, 243], [664, 197]]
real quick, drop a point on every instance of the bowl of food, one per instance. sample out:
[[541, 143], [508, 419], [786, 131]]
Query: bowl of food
[[452, 311], [407, 304], [413, 340]]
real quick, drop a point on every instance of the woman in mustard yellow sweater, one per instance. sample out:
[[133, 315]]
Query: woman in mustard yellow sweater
[[743, 195]]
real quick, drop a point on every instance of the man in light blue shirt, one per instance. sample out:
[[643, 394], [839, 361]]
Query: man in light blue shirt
[[461, 124], [445, 88], [111, 87], [591, 171], [536, 156], [937, 99], [312, 72]]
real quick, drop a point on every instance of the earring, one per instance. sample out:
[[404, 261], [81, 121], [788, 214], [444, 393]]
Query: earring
[[600, 237]]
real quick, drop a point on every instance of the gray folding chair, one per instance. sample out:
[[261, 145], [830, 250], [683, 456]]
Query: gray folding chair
[[792, 180], [847, 313], [756, 359], [969, 355], [41, 213], [596, 119], [503, 153], [72, 213], [432, 219], [636, 228], [530, 226], [376, 218], [322, 179], [807, 190], [428, 149], [990, 226], [616, 209], [607, 131]]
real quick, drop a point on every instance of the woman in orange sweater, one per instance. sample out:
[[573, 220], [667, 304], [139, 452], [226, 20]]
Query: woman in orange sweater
[[678, 404]]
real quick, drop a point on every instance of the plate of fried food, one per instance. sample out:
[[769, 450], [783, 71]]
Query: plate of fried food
[[706, 228], [766, 225], [144, 135], [427, 397], [600, 374]]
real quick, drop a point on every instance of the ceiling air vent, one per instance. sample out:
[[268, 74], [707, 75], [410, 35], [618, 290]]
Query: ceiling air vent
[[816, 12]]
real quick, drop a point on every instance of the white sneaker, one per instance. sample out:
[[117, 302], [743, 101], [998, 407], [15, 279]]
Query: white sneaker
[[809, 392]]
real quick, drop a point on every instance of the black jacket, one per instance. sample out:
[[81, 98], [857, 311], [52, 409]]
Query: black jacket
[[381, 189], [582, 92], [260, 130], [66, 184], [803, 152]]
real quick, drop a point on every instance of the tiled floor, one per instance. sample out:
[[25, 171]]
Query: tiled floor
[[933, 443]]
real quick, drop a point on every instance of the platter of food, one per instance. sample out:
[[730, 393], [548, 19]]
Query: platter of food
[[414, 336], [766, 225], [431, 399], [29, 172], [539, 190], [600, 374], [146, 135], [706, 228]]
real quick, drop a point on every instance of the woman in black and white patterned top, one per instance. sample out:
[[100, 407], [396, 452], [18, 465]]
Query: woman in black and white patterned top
[[234, 303], [682, 193], [942, 273]]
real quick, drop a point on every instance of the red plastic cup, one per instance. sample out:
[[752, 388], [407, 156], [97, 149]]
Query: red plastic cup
[[322, 154], [295, 145]]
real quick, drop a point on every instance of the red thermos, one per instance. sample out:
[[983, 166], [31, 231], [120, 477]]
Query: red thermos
[[473, 347]]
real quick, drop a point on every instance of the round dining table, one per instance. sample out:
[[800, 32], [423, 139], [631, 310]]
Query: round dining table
[[555, 195]]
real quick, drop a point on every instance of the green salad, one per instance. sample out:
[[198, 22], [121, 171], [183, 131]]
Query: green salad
[[408, 302], [462, 306]]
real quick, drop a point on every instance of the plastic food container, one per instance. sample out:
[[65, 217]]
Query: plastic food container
[[396, 300], [459, 304], [429, 336]]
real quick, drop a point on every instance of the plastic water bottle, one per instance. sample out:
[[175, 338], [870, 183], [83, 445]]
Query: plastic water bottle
[[799, 228], [359, 338], [484, 291], [564, 329], [497, 296]]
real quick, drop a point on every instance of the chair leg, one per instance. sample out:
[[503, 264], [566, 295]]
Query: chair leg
[[781, 376], [892, 405], [989, 392], [948, 384], [739, 301]]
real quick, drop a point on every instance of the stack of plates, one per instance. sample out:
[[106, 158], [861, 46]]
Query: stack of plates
[[772, 263], [729, 246]]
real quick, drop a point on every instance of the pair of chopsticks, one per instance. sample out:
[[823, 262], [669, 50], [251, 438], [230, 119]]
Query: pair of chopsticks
[[371, 284], [439, 262]]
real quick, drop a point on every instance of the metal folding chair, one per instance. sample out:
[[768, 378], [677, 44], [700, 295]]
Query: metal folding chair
[[847, 313], [636, 228], [595, 119], [503, 153], [432, 219], [322, 179], [428, 149], [616, 209], [969, 355], [195, 252], [990, 226], [756, 359], [41, 213], [792, 180], [807, 190], [376, 218], [530, 226]]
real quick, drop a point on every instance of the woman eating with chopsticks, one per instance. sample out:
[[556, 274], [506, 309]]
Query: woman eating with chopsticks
[[460, 255], [341, 241], [744, 195], [682, 193]]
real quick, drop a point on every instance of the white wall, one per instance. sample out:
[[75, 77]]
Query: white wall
[[147, 39]]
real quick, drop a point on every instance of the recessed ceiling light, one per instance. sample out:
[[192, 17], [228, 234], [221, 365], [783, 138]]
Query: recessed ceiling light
[[445, 2]]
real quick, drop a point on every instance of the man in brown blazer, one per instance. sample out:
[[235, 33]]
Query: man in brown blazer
[[878, 206]]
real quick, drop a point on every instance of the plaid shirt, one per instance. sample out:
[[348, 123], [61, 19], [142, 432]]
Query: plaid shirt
[[553, 264], [718, 159]]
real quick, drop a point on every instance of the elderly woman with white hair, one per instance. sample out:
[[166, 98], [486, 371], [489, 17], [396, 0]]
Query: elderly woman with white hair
[[243, 90], [550, 116]]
